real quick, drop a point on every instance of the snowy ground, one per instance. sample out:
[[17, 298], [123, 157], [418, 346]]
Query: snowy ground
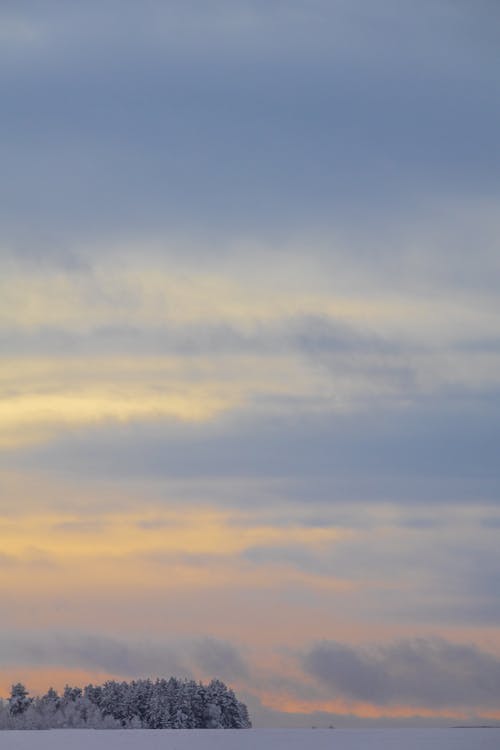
[[254, 739]]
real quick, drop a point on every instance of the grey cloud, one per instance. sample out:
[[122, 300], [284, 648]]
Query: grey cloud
[[304, 334], [317, 335], [425, 673], [120, 657], [221, 659], [127, 658], [90, 652]]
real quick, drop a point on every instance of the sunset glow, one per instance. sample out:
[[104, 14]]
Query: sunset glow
[[250, 353]]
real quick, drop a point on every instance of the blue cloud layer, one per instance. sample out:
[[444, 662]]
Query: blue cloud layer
[[251, 118]]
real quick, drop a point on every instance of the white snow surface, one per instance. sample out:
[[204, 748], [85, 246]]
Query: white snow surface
[[252, 739]]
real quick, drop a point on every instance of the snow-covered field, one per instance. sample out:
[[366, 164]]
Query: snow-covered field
[[254, 739]]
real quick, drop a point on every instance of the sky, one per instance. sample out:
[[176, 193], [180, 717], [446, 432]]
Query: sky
[[250, 352]]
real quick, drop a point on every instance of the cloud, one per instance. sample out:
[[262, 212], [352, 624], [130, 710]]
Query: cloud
[[307, 334], [424, 673], [30, 558], [219, 658], [403, 681], [81, 526], [207, 657], [93, 652], [396, 570], [249, 271], [250, 118], [441, 449]]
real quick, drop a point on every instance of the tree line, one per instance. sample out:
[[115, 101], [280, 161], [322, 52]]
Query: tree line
[[139, 704]]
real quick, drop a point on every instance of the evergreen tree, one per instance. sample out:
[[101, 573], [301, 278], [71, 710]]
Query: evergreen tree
[[19, 699], [163, 704]]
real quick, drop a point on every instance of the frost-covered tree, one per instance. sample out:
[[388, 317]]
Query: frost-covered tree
[[19, 699], [51, 701], [162, 704]]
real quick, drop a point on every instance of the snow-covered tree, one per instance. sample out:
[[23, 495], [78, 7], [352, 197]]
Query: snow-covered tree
[[163, 704], [19, 699]]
